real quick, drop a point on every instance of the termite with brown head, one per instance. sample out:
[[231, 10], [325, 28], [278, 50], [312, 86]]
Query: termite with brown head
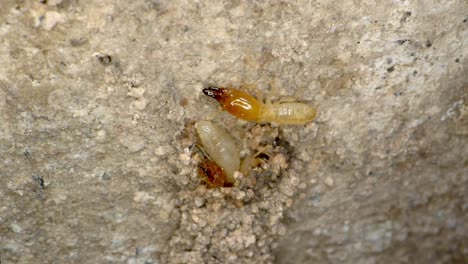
[[245, 106], [222, 151]]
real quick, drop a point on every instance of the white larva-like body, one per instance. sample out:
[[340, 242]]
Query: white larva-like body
[[220, 146], [287, 113]]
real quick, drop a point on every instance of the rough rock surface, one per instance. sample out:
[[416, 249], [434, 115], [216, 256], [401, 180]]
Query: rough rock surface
[[95, 95]]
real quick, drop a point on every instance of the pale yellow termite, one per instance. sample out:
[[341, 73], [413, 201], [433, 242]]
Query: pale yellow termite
[[221, 148], [244, 106]]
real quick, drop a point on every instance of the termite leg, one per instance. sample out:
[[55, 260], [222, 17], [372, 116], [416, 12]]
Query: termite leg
[[214, 114], [275, 90], [287, 99], [252, 161], [252, 88]]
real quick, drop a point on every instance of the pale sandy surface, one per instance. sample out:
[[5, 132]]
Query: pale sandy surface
[[95, 167]]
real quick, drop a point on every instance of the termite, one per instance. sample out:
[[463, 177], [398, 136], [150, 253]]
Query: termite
[[222, 150], [245, 106]]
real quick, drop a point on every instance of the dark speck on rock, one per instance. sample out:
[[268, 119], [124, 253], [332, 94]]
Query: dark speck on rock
[[405, 16], [39, 180], [105, 176], [390, 69], [402, 41], [428, 43], [27, 153], [105, 59]]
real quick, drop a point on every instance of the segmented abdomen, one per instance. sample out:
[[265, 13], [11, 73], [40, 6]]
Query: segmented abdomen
[[288, 113]]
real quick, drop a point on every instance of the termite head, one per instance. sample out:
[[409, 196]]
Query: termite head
[[209, 171], [215, 92], [212, 174]]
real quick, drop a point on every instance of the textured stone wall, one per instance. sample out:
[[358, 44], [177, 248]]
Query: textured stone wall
[[98, 99]]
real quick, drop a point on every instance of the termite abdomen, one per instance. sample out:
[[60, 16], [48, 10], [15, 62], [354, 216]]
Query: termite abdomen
[[236, 102]]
